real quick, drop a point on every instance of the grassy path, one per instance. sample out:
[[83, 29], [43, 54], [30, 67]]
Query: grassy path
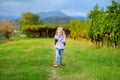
[[33, 59], [54, 75]]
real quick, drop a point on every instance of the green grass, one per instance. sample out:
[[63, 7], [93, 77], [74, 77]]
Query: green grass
[[33, 59], [83, 62], [26, 59]]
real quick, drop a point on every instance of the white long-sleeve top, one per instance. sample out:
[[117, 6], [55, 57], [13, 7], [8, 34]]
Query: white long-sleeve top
[[60, 41]]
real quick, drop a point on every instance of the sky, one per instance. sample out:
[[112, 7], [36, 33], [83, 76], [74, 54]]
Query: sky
[[70, 7]]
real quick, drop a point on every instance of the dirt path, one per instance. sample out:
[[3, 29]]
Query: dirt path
[[54, 75]]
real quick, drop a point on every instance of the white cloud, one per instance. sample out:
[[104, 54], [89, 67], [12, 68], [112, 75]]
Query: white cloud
[[75, 13]]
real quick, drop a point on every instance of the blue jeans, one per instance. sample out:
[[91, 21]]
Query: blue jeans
[[59, 53]]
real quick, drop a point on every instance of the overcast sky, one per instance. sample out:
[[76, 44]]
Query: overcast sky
[[70, 7]]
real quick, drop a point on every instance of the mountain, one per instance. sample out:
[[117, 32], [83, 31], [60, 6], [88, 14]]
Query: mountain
[[56, 20], [57, 17], [43, 15], [79, 18], [50, 17], [9, 18]]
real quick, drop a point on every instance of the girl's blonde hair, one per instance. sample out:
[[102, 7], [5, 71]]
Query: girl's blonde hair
[[60, 29]]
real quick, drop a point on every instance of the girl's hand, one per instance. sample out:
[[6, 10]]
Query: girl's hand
[[62, 41]]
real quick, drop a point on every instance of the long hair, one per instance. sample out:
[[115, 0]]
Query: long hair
[[60, 29]]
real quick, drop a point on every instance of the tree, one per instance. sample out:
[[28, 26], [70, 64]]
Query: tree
[[30, 19], [105, 25], [79, 29], [95, 28], [113, 12]]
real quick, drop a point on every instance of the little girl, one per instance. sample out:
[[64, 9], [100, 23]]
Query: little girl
[[60, 40]]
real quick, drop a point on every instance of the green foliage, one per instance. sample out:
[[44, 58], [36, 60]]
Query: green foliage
[[79, 29], [106, 24], [30, 19], [42, 30], [32, 27], [75, 29]]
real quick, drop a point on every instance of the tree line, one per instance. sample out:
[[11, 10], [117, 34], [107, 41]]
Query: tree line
[[105, 25]]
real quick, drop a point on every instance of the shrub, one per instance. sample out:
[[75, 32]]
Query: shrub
[[6, 30]]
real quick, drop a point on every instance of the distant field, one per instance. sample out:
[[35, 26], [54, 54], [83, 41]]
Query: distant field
[[33, 59]]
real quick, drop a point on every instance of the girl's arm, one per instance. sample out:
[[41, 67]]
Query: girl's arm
[[56, 41]]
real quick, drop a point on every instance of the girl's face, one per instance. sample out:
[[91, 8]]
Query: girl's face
[[59, 33]]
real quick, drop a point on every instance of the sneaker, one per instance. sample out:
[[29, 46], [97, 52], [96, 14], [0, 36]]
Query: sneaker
[[57, 65]]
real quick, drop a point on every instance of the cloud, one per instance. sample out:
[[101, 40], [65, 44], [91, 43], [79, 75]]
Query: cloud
[[75, 13], [70, 7], [16, 7]]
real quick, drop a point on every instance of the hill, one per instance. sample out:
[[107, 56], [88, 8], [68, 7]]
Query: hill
[[56, 20], [50, 17], [48, 14]]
